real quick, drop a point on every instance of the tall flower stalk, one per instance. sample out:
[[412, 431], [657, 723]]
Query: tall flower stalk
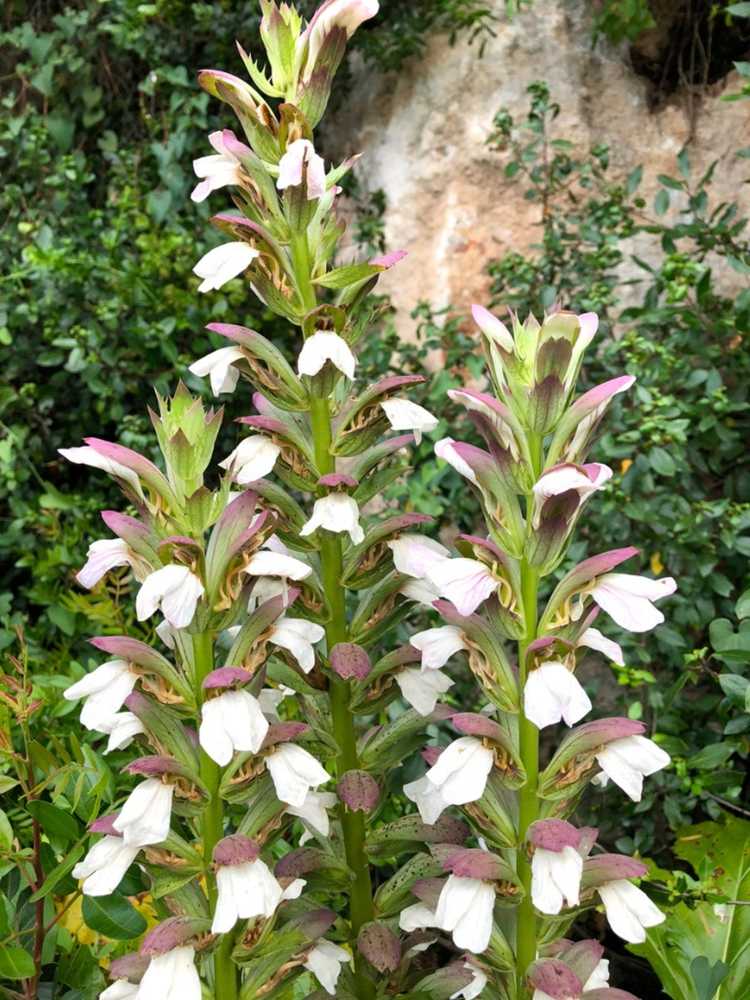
[[275, 588]]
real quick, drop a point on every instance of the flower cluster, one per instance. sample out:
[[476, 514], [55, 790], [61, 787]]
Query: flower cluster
[[261, 699]]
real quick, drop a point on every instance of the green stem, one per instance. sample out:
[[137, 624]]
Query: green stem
[[526, 934], [353, 823], [212, 823]]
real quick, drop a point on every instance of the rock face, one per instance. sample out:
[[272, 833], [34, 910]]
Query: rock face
[[423, 133]]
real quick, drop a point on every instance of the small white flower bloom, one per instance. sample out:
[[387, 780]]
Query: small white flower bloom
[[294, 771], [413, 555], [555, 878], [627, 761], [219, 366], [420, 591], [248, 890], [346, 14], [325, 961], [298, 635], [627, 599], [466, 583], [336, 512], [104, 689], [444, 449], [552, 693], [427, 798], [599, 978], [314, 811], [269, 699], [437, 645], [223, 263], [461, 770], [166, 633], [89, 456], [105, 865], [592, 638], [173, 589], [322, 347], [417, 917], [300, 154], [231, 721], [465, 908], [104, 555], [564, 478], [403, 415], [629, 910], [145, 817], [422, 688], [475, 987], [277, 564], [121, 989], [171, 976], [252, 459], [121, 728], [218, 171]]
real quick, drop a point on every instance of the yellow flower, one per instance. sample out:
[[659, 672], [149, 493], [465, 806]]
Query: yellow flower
[[657, 566], [72, 920], [625, 465]]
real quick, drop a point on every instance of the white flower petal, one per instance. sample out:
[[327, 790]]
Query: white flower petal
[[104, 866], [422, 688], [403, 415], [294, 772], [437, 645], [338, 513], [444, 449], [552, 693], [324, 347], [219, 366], [223, 263], [325, 961], [175, 590], [466, 583], [145, 817], [428, 799], [461, 770], [252, 459], [414, 554], [629, 910], [592, 638], [171, 976]]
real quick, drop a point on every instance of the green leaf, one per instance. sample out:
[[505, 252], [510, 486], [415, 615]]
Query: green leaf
[[662, 462], [711, 757], [720, 855], [739, 9], [113, 916], [55, 822], [16, 963], [661, 201], [742, 607], [6, 832], [707, 977]]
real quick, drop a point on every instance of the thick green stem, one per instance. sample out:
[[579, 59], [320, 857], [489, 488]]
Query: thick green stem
[[212, 824], [526, 935], [353, 823]]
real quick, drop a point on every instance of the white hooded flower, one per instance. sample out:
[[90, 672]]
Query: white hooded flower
[[629, 910], [413, 555], [627, 599], [298, 635], [428, 799], [174, 590], [299, 155], [294, 772], [555, 879], [252, 459], [627, 761], [121, 989], [277, 564], [599, 978], [145, 817], [171, 976], [231, 721], [493, 328], [417, 917], [248, 890], [403, 415], [336, 512], [220, 367], [592, 638], [461, 770], [444, 449], [422, 688], [314, 812], [122, 728], [105, 865], [346, 14], [323, 347], [437, 645], [552, 693], [89, 456], [466, 583], [104, 689], [566, 478], [465, 909], [166, 633], [474, 988], [269, 699], [106, 553], [223, 263], [325, 961], [217, 171]]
